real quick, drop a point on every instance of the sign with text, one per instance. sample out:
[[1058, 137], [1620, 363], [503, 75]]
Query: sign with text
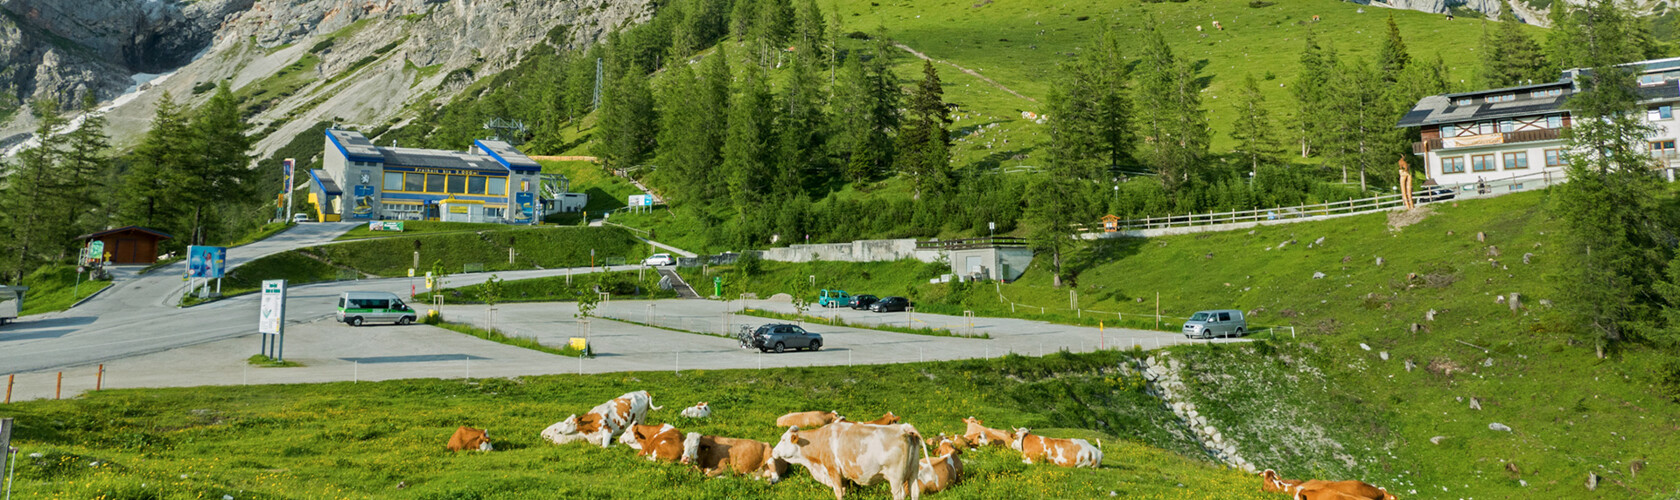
[[288, 169], [95, 249], [641, 200], [273, 318], [525, 207], [381, 225], [206, 261]]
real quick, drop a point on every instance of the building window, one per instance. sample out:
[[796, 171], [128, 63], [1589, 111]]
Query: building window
[[1501, 98], [1516, 161], [1659, 113], [1554, 121], [1664, 148], [457, 184], [1546, 93], [1482, 163], [1554, 158], [1484, 128], [1507, 125], [1646, 80], [1449, 131], [414, 182], [1466, 101], [498, 186], [475, 185], [1454, 165], [434, 183], [393, 181], [493, 213]]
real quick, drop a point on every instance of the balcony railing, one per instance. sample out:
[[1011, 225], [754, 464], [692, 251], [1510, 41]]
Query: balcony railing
[[1550, 134]]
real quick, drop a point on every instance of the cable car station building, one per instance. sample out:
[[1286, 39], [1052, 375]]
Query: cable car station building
[[491, 182]]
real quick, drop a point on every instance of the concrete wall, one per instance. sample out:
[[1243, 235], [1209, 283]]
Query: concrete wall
[[995, 263], [1013, 262], [856, 251]]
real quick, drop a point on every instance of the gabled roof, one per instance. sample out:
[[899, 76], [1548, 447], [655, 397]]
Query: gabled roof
[[124, 229]]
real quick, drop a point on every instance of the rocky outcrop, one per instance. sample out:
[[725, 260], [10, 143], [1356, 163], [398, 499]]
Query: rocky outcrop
[[1529, 11]]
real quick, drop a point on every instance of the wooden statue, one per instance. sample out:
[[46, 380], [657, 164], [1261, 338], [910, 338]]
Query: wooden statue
[[1406, 185]]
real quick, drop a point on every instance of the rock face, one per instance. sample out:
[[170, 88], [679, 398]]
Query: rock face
[[1529, 11]]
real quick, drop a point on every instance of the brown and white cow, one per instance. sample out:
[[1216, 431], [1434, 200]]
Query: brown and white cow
[[717, 455], [863, 454], [980, 435], [1321, 490], [604, 422], [886, 419], [958, 441], [468, 438], [1063, 452], [807, 419], [657, 442], [701, 410], [943, 469]]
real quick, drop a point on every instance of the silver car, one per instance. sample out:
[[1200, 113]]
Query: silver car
[[1218, 323]]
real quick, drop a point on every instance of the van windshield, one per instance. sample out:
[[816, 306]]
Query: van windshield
[[1201, 316]]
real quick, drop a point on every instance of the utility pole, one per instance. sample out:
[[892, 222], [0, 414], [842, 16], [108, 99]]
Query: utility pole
[[598, 72]]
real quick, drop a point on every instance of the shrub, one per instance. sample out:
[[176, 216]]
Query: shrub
[[1668, 380]]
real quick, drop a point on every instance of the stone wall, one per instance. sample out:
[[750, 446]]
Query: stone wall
[[856, 251]]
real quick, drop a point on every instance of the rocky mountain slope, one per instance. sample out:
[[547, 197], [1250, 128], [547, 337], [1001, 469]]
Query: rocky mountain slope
[[296, 62], [1530, 11]]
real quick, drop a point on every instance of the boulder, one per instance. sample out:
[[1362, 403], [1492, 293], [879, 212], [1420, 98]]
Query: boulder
[[1318, 275], [1496, 426]]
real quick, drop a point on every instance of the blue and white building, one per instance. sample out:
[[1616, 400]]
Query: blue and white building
[[491, 182]]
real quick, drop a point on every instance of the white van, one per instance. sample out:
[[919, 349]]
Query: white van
[[354, 308]]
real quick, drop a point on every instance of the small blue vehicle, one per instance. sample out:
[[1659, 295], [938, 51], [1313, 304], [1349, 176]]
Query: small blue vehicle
[[834, 298]]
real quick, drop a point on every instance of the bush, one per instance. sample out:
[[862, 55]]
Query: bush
[[750, 263], [1668, 380]]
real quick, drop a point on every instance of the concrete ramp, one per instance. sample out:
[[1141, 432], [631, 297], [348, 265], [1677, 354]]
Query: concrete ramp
[[677, 284]]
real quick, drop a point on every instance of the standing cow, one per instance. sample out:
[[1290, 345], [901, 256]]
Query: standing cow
[[1063, 452], [864, 454], [604, 422]]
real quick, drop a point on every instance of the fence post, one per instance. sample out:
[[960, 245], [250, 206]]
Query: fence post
[[59, 392], [9, 379], [99, 383]]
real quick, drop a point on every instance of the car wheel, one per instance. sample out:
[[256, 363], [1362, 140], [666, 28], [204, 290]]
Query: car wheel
[[405, 320], [816, 345], [356, 321], [1239, 333], [779, 348]]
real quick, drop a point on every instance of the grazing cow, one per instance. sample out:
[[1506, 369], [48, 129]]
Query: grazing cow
[[1218, 26], [697, 411], [467, 438], [604, 422], [807, 419], [943, 469], [859, 453], [1269, 481], [657, 442], [980, 435], [1063, 452], [716, 455]]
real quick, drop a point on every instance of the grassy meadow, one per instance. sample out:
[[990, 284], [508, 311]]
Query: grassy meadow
[[54, 288], [385, 439]]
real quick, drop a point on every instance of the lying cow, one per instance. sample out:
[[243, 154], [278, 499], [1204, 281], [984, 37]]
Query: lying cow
[[859, 453], [888, 419], [717, 455], [807, 419], [1063, 452], [1321, 490], [697, 411], [980, 435], [467, 438], [943, 469], [958, 441], [604, 422], [657, 442]]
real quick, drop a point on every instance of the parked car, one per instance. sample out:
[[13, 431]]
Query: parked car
[[863, 301], [890, 304], [1435, 193], [300, 218], [1217, 323], [354, 308], [834, 298], [780, 337], [660, 259]]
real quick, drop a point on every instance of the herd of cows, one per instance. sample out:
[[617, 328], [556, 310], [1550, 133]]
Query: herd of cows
[[837, 451]]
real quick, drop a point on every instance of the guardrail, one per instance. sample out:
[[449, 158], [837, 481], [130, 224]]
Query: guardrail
[[972, 243]]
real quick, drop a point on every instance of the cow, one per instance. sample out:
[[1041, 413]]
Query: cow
[[943, 469], [807, 419], [1063, 452], [980, 435], [467, 438], [860, 453], [958, 441], [1269, 481], [656, 442], [716, 455], [604, 422], [697, 411], [1218, 26], [887, 419]]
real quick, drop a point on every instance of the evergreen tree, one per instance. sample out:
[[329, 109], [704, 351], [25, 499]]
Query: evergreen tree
[[1107, 72], [684, 151], [1074, 123], [1170, 113], [809, 32], [772, 29], [924, 144], [742, 18], [1360, 135], [867, 101], [800, 127], [85, 166], [218, 173], [1394, 57], [748, 155], [1317, 64], [628, 122], [1255, 135], [149, 187], [1054, 206], [1614, 236], [1510, 57], [34, 195]]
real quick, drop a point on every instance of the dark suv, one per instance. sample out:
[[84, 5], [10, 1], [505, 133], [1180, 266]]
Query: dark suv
[[863, 301], [890, 304], [780, 337]]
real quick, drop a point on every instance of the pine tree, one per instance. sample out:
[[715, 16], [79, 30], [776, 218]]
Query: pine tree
[[742, 19], [1359, 136], [1170, 113], [1054, 206], [924, 144], [867, 102], [628, 121], [1317, 64], [148, 187], [1394, 57], [809, 32], [683, 134], [748, 155], [1074, 123], [1254, 132], [1510, 57], [1613, 230], [1107, 72], [218, 172], [800, 127], [34, 194], [772, 29], [85, 166]]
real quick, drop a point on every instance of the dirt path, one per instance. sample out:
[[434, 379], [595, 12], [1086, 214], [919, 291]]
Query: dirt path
[[970, 72]]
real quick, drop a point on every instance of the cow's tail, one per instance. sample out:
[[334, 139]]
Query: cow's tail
[[915, 440]]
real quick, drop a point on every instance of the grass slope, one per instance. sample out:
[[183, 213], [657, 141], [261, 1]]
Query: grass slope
[[53, 288], [363, 440], [546, 247]]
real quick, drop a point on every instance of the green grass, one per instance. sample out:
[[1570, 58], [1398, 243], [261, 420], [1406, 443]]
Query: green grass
[[606, 192], [555, 289], [927, 330], [291, 266], [262, 233], [501, 338], [548, 247], [263, 361], [414, 227], [53, 288], [359, 440]]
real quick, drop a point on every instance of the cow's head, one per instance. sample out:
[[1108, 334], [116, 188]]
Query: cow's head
[[889, 418], [567, 426], [789, 447], [1269, 481], [947, 447], [691, 448], [484, 440], [1015, 438]]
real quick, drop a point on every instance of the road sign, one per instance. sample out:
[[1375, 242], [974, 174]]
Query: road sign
[[96, 248], [430, 280], [273, 318]]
